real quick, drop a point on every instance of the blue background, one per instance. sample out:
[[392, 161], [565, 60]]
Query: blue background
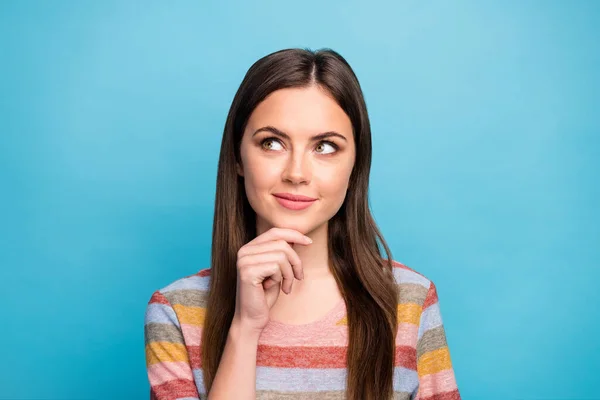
[[486, 145]]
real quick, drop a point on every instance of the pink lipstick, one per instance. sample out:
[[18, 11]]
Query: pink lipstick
[[294, 201]]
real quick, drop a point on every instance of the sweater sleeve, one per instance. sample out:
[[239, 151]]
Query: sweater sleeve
[[434, 365], [167, 361]]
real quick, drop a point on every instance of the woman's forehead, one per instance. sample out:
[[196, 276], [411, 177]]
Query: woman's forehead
[[300, 111]]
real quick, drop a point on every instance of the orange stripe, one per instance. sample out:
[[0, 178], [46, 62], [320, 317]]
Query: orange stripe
[[164, 352], [434, 361], [190, 315], [409, 313], [169, 352]]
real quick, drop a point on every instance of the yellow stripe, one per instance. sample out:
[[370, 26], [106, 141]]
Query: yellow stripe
[[157, 352], [434, 361], [190, 315], [407, 312]]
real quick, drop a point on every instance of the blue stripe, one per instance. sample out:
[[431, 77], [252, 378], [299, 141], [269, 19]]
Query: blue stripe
[[430, 318], [405, 380], [199, 379], [161, 314], [190, 282], [407, 276], [299, 379]]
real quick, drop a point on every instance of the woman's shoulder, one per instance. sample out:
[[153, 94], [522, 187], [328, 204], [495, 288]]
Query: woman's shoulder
[[185, 292], [404, 274], [414, 287]]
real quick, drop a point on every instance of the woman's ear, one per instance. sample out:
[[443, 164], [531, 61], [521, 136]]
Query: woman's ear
[[239, 169]]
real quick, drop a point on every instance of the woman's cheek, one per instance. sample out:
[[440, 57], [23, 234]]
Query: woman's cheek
[[334, 179]]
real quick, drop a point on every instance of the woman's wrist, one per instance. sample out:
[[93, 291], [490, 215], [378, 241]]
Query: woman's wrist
[[242, 334]]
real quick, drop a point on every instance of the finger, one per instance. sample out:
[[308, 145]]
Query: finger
[[289, 235], [269, 283], [287, 273], [274, 276], [296, 266], [278, 257], [276, 245]]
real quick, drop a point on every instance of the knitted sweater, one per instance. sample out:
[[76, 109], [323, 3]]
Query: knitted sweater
[[306, 362]]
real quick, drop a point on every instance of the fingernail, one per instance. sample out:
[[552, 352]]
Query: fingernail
[[309, 240]]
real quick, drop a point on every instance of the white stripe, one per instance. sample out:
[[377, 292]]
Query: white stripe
[[160, 313], [199, 379], [406, 276], [190, 282], [302, 379], [430, 318], [405, 380]]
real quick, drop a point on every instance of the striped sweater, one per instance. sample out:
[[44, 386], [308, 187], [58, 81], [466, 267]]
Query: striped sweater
[[298, 361]]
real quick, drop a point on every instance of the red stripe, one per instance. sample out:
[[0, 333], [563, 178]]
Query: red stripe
[[453, 395], [432, 296], [195, 356], [158, 298], [406, 356], [322, 357], [204, 272], [301, 357], [174, 389]]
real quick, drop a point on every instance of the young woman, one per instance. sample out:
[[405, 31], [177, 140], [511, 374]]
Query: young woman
[[298, 302]]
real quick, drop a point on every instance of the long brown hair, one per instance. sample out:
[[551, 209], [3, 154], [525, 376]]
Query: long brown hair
[[365, 278]]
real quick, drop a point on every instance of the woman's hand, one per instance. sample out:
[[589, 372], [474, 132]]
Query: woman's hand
[[265, 265]]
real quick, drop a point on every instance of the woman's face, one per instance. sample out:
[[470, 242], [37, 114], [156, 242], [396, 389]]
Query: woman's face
[[280, 155]]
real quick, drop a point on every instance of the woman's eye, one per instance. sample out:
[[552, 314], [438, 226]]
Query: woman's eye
[[323, 145], [268, 144]]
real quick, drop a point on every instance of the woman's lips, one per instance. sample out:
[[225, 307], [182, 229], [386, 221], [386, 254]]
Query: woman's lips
[[294, 205]]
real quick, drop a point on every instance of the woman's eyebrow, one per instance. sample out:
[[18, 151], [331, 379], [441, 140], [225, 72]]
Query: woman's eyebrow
[[278, 132]]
